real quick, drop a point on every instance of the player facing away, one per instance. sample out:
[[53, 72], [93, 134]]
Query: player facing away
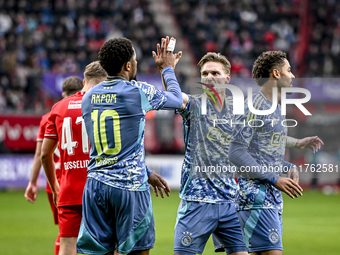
[[259, 153], [66, 129], [117, 208], [70, 86]]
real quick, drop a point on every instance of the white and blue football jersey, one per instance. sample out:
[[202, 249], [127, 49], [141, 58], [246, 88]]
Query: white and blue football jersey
[[264, 136], [207, 175], [114, 113]]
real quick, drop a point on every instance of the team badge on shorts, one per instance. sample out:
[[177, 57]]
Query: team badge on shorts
[[273, 236], [186, 239]]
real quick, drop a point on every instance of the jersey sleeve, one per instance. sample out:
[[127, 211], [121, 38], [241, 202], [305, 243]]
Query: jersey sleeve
[[242, 132], [185, 113], [155, 99], [148, 171], [41, 132], [287, 166], [152, 98], [51, 128]]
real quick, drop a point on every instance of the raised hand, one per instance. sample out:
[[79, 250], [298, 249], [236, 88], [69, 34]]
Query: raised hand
[[165, 58]]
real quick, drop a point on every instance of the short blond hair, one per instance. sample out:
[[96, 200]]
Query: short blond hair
[[94, 71], [215, 57]]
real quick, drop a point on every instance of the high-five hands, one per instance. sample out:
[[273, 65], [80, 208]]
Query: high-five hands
[[165, 58]]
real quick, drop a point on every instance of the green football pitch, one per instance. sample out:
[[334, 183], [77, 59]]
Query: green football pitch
[[311, 225]]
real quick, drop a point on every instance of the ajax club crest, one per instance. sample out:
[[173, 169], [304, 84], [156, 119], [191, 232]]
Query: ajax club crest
[[186, 239], [273, 236]]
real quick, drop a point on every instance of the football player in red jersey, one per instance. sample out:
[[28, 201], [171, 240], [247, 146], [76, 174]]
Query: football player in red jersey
[[70, 86], [65, 125]]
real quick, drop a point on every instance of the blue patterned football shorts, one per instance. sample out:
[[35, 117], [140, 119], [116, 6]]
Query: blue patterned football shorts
[[115, 219], [262, 229], [197, 221]]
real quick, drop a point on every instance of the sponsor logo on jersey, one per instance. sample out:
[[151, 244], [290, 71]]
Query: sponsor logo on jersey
[[277, 139], [215, 134], [74, 104]]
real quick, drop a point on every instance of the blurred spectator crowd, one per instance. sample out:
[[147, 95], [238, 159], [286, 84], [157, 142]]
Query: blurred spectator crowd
[[243, 29], [324, 44], [63, 36]]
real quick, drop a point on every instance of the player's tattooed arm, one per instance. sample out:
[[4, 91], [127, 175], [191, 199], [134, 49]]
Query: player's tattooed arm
[[313, 142]]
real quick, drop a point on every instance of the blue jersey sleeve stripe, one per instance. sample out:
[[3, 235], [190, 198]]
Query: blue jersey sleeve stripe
[[140, 132], [187, 182], [146, 106]]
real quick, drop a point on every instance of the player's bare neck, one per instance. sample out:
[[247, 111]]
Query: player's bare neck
[[218, 105], [119, 76], [267, 90]]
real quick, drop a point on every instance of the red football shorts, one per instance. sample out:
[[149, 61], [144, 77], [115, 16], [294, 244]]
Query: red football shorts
[[53, 208], [69, 220]]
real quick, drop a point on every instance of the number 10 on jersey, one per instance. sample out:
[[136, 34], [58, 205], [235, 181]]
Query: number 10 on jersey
[[100, 134]]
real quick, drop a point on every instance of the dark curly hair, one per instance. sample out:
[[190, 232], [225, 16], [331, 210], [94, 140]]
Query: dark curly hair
[[266, 63], [114, 54]]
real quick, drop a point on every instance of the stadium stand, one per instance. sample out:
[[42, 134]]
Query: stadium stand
[[239, 29], [324, 39], [63, 37]]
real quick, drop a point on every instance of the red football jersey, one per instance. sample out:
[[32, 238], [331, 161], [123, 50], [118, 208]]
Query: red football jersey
[[65, 123], [56, 156]]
